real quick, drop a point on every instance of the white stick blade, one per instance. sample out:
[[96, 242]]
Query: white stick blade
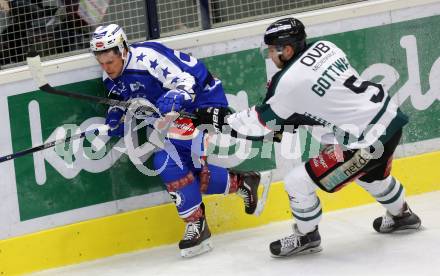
[[265, 181], [34, 63]]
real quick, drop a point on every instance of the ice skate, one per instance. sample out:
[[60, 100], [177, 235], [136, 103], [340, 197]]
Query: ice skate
[[389, 223], [297, 244], [197, 238]]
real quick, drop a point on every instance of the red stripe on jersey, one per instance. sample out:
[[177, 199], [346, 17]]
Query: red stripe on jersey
[[327, 159], [183, 127]]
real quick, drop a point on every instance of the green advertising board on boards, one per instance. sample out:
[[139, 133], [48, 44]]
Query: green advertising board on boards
[[404, 56]]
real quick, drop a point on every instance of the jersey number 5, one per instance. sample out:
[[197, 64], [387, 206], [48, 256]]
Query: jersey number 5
[[377, 98]]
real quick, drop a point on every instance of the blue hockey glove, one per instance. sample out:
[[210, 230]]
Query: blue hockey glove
[[115, 120], [173, 100]]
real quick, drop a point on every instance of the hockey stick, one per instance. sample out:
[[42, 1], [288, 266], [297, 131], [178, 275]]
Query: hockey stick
[[34, 63], [100, 130]]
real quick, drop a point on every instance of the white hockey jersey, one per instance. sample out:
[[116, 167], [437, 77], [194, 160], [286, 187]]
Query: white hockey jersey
[[319, 87]]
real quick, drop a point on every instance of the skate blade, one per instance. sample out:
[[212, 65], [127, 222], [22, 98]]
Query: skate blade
[[303, 252], [266, 180], [406, 228], [310, 251], [205, 246]]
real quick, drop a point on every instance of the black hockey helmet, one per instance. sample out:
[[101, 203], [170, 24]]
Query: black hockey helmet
[[286, 31]]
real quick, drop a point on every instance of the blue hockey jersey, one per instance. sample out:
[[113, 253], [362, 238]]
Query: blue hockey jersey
[[151, 69]]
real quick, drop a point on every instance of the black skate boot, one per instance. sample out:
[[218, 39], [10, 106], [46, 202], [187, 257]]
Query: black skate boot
[[297, 244], [247, 189], [405, 220], [197, 237]]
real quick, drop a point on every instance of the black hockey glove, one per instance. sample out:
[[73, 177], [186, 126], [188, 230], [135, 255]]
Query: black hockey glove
[[213, 116], [278, 136]]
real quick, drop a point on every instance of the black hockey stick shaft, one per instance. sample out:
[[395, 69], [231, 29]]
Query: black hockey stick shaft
[[101, 100], [54, 143], [49, 89], [34, 63]]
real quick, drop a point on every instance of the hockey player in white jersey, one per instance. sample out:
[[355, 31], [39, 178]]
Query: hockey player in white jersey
[[358, 125]]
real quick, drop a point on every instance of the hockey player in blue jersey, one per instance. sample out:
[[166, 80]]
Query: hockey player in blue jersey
[[172, 81]]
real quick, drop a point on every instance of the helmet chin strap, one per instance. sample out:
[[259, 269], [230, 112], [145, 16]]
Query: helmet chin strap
[[280, 54], [281, 57], [124, 55], [125, 59]]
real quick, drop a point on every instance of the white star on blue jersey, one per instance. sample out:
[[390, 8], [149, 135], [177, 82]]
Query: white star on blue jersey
[[153, 64], [140, 57], [165, 72]]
